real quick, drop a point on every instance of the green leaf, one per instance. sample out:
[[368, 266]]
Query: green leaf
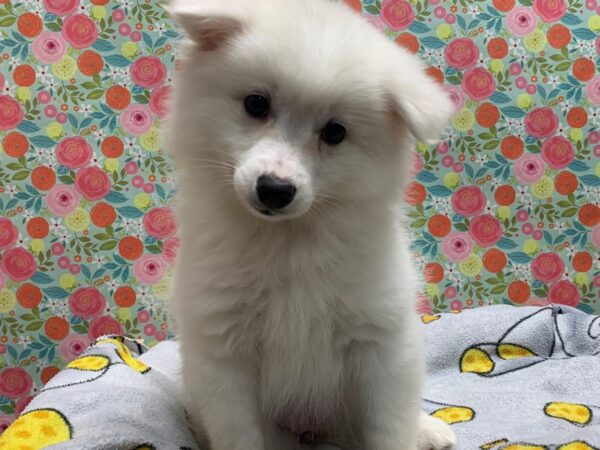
[[8, 21], [109, 245], [19, 176], [34, 326], [94, 95], [565, 65], [53, 26]]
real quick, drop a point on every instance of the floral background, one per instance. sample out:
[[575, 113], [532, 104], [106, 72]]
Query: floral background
[[505, 208]]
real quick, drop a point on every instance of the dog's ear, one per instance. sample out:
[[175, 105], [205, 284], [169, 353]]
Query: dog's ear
[[420, 101], [209, 23]]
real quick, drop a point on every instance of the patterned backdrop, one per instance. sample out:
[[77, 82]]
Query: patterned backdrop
[[505, 209]]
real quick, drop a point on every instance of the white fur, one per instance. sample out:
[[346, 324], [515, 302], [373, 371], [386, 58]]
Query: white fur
[[303, 319]]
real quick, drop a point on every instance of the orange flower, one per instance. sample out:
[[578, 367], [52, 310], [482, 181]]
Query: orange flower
[[439, 225], [433, 273], [29, 296], [512, 147], [118, 97], [43, 178], [566, 183], [24, 75], [589, 215], [505, 195], [131, 247], [494, 260], [504, 5], [103, 215], [38, 228], [56, 328], [559, 36], [436, 74], [487, 115], [519, 291], [15, 144], [584, 69], [408, 41], [124, 297], [415, 194], [112, 147], [29, 24], [48, 373], [497, 48], [90, 63], [577, 117], [582, 261]]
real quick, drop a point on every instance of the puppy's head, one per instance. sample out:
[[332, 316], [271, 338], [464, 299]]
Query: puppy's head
[[297, 105]]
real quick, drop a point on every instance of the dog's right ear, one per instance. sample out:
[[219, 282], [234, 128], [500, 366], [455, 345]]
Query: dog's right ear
[[209, 23]]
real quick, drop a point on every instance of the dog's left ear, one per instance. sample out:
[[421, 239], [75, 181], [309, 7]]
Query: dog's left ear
[[420, 102], [209, 23]]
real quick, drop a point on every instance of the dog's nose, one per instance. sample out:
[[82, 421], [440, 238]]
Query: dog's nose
[[274, 192]]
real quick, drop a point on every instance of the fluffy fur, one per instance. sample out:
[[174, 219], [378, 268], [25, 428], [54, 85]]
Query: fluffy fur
[[302, 320]]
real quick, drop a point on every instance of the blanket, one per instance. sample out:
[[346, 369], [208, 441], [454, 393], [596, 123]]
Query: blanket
[[505, 378]]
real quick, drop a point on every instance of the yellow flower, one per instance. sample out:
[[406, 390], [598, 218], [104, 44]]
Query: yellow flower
[[111, 164], [471, 266], [422, 147], [55, 131], [7, 300], [543, 188], [98, 12], [575, 134], [67, 281], [451, 180], [503, 212], [464, 120], [535, 41], [129, 49], [530, 246], [151, 140], [524, 101], [162, 288], [37, 245], [23, 93], [78, 220], [594, 23], [142, 200], [124, 314], [581, 278], [496, 66], [65, 68], [597, 169], [432, 290], [444, 31]]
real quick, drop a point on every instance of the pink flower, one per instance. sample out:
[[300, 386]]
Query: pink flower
[[450, 292], [22, 403], [558, 152], [462, 53], [375, 21], [137, 119], [564, 293], [596, 236], [143, 316], [18, 264], [93, 183], [2, 281], [159, 101], [61, 7], [521, 21], [11, 113], [150, 330], [457, 246], [8, 233], [148, 72], [547, 267], [80, 31], [149, 269], [592, 91], [550, 10], [160, 223], [73, 346], [62, 199], [529, 168], [73, 152], [15, 382], [485, 230], [49, 47], [541, 122], [478, 83], [170, 249], [103, 326], [423, 305], [457, 96], [87, 302], [468, 201], [5, 421], [397, 14]]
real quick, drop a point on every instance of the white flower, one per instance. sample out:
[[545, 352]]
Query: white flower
[[160, 28], [8, 89], [553, 81], [11, 190], [85, 109], [594, 116]]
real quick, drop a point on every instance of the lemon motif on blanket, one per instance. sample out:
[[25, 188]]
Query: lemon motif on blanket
[[454, 414], [94, 363], [512, 351], [577, 445], [36, 430], [524, 447], [125, 355], [571, 412], [476, 361], [428, 318]]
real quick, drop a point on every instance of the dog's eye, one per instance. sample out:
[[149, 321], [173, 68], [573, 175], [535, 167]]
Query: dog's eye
[[257, 106], [333, 133]]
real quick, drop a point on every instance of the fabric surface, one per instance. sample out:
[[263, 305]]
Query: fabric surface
[[505, 209], [504, 378]]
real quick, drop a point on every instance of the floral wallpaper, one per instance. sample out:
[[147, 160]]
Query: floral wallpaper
[[505, 209]]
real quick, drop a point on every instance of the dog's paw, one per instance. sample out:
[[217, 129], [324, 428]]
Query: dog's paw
[[435, 434]]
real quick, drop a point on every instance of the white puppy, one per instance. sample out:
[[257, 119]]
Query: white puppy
[[291, 127]]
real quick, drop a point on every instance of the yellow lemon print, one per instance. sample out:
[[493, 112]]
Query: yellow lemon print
[[36, 430], [571, 412], [493, 444], [511, 351], [454, 414], [476, 361], [126, 355], [92, 363], [524, 447], [428, 318], [577, 445]]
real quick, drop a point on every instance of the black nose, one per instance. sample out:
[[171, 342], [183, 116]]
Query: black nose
[[274, 192]]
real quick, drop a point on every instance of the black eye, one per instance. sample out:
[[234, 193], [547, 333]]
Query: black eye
[[333, 133], [257, 106]]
